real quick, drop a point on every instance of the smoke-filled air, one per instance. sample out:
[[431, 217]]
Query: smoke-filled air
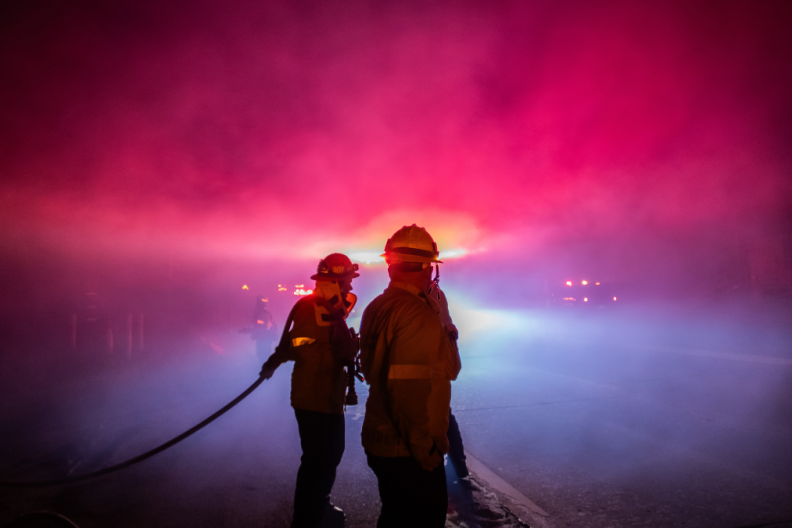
[[609, 185]]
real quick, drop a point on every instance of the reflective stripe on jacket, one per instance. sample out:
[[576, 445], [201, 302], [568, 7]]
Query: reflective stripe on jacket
[[409, 362]]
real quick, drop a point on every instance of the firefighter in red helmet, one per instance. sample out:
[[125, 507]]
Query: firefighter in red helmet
[[409, 361], [319, 343]]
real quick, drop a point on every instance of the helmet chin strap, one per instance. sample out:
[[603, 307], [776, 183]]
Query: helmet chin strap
[[435, 282]]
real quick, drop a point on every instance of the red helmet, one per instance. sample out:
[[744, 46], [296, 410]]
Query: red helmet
[[335, 266]]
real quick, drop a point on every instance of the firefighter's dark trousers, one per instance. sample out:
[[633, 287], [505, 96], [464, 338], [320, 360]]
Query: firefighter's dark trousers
[[411, 496], [456, 451], [322, 442]]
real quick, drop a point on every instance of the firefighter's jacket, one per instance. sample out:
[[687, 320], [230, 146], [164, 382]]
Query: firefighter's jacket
[[318, 348], [409, 363]]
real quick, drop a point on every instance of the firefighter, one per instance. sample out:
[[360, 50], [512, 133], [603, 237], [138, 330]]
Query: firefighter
[[409, 362], [456, 450], [319, 343], [264, 330]]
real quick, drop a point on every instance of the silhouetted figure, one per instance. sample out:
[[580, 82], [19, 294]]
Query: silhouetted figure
[[408, 361], [456, 451], [320, 344], [264, 330]]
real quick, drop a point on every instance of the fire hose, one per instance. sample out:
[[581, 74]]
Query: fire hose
[[352, 369], [144, 456]]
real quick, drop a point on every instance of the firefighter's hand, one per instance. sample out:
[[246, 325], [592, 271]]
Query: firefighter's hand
[[434, 459], [267, 371], [452, 332]]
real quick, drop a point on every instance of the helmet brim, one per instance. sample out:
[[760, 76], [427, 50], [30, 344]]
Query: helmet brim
[[333, 277], [401, 257]]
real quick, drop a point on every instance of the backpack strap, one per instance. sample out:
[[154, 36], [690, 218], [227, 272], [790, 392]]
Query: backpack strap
[[283, 351]]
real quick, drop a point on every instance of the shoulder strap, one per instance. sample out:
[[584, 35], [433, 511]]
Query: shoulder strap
[[285, 340], [333, 314], [282, 351]]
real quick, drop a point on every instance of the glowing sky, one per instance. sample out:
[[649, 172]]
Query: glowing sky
[[263, 128]]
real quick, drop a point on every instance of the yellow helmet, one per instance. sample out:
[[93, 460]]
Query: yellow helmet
[[411, 244]]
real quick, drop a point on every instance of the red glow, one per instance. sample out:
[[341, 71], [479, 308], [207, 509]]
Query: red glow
[[192, 144]]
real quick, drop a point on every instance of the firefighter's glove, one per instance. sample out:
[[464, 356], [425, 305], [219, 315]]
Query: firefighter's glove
[[268, 369], [434, 459]]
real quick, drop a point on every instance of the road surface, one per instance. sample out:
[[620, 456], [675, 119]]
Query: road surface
[[618, 419]]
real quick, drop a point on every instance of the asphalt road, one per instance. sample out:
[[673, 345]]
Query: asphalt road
[[633, 420], [652, 418]]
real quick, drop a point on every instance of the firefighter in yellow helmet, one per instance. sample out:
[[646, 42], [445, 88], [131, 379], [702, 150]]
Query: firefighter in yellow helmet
[[320, 344], [409, 362]]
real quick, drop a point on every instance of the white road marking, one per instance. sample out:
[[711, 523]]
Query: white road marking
[[500, 485]]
